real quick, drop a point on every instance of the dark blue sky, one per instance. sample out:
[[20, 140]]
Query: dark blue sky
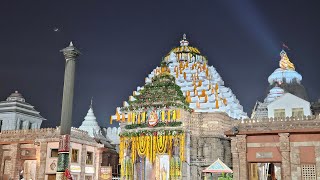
[[122, 41]]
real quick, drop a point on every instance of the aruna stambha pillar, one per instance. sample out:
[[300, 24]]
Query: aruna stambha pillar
[[70, 54]]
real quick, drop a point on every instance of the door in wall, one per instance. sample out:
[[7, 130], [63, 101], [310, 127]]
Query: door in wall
[[51, 177], [265, 171]]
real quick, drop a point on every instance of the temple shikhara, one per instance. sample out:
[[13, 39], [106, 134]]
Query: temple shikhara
[[173, 127]]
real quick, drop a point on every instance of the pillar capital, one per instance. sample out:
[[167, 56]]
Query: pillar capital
[[70, 52]]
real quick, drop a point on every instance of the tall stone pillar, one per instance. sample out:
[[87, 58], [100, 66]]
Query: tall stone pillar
[[70, 53], [285, 154]]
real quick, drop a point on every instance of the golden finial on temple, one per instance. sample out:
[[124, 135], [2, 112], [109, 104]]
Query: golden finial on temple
[[285, 62]]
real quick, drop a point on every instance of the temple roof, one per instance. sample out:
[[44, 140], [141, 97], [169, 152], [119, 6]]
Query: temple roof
[[161, 92], [274, 93], [90, 123], [16, 103], [184, 47], [260, 109], [16, 96], [218, 167]]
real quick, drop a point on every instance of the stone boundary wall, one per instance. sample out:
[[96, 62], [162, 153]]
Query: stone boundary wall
[[267, 124], [46, 134]]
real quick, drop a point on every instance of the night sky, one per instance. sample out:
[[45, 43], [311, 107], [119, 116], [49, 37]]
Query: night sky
[[123, 41]]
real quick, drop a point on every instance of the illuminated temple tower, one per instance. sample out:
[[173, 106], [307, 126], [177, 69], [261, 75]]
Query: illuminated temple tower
[[284, 79], [173, 127]]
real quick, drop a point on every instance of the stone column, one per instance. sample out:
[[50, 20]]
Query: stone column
[[285, 154], [235, 158], [295, 163], [317, 154], [242, 150], [41, 154], [83, 161], [15, 161], [97, 162], [70, 53]]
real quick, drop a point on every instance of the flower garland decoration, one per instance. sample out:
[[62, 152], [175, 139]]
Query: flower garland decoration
[[148, 144]]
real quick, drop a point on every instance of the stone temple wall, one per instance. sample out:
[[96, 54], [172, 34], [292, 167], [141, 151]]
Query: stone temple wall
[[207, 141]]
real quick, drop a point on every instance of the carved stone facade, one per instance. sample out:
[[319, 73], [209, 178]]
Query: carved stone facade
[[291, 145], [207, 141], [33, 154]]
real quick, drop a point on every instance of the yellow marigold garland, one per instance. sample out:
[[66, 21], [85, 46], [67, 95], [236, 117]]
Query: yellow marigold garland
[[149, 145], [162, 144], [154, 148], [142, 142], [182, 145]]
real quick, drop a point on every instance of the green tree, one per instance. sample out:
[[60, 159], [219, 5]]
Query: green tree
[[225, 176]]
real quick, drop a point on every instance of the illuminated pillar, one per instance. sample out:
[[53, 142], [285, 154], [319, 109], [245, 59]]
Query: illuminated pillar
[[70, 53]]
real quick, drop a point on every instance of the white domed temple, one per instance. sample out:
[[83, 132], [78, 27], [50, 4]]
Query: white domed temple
[[176, 122], [90, 123], [16, 113], [284, 79]]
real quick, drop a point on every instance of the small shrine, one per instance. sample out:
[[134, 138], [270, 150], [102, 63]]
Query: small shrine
[[218, 167]]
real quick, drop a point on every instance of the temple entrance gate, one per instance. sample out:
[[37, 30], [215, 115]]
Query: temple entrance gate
[[265, 171]]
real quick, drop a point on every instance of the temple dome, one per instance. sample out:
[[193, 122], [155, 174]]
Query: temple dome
[[285, 73], [287, 76], [184, 52], [16, 96], [90, 124]]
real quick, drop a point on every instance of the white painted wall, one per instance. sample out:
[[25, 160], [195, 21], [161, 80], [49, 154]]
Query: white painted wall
[[12, 120], [287, 102]]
